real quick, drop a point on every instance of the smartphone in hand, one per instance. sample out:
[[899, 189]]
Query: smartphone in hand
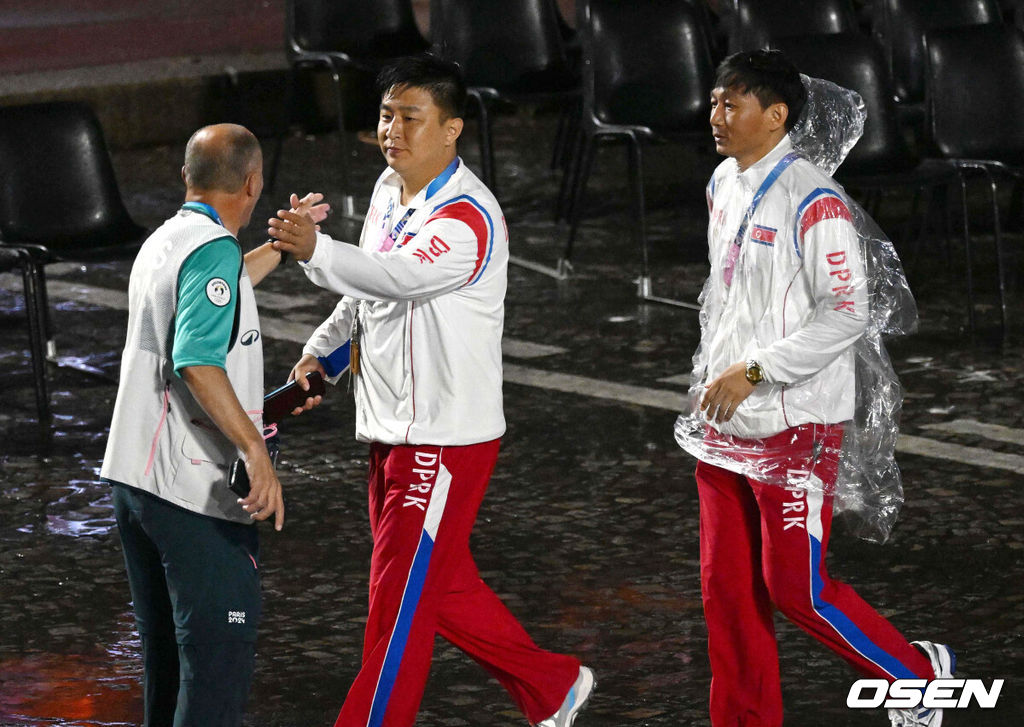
[[279, 403], [276, 406]]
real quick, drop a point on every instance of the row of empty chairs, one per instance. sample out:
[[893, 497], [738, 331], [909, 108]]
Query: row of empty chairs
[[511, 52], [636, 73], [644, 74]]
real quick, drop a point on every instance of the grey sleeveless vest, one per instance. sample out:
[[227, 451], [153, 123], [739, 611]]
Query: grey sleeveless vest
[[161, 441]]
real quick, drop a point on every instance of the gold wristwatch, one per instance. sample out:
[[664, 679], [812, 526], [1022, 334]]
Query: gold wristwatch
[[754, 373]]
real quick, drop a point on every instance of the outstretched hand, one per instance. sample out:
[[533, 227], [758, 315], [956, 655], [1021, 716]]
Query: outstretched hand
[[311, 203]]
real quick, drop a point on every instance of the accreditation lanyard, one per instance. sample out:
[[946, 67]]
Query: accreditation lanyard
[[388, 241], [203, 208], [737, 243]]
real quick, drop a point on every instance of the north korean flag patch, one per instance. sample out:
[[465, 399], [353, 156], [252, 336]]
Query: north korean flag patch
[[763, 235]]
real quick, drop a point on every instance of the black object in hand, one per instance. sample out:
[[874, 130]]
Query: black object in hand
[[238, 480], [276, 406], [279, 403]]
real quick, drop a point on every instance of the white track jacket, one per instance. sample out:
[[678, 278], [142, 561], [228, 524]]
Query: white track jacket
[[431, 315], [792, 297]]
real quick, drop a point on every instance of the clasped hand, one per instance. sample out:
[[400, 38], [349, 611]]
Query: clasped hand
[[294, 231]]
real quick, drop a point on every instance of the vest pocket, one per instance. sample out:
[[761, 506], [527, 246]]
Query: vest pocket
[[202, 443]]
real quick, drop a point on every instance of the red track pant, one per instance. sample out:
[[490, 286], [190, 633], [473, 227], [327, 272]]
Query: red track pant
[[764, 545], [423, 581]]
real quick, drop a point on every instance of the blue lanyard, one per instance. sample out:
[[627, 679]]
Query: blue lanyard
[[439, 181], [397, 230], [205, 209], [761, 191]]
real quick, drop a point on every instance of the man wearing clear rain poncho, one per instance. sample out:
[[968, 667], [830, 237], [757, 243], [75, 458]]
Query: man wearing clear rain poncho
[[795, 403]]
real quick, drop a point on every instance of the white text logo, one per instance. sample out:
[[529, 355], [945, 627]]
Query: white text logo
[[426, 471], [934, 694]]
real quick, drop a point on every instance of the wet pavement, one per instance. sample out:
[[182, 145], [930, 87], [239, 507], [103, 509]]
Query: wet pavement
[[589, 530]]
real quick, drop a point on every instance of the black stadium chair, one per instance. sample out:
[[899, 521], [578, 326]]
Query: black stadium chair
[[974, 99], [901, 26], [58, 194], [755, 23], [647, 78], [352, 40], [882, 159], [512, 52]]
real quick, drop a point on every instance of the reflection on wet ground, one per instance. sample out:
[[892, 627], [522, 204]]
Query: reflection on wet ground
[[589, 531]]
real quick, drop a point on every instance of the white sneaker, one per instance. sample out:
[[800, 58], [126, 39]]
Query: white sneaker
[[944, 664], [578, 695]]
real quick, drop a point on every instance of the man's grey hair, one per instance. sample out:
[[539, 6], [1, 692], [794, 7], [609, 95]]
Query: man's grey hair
[[221, 162]]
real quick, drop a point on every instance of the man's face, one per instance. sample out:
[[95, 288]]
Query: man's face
[[416, 142], [741, 127]]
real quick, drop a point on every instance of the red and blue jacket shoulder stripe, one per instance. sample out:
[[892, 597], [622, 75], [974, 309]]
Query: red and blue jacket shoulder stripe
[[467, 209], [821, 204]]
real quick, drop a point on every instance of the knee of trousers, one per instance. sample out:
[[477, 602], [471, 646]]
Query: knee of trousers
[[792, 601]]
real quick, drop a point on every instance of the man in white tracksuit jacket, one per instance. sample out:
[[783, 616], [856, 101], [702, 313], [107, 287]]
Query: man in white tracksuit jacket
[[421, 322], [785, 302]]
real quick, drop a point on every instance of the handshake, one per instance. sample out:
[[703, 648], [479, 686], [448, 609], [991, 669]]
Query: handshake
[[294, 231]]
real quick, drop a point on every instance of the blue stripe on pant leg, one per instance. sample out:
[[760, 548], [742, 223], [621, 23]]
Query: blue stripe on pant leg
[[400, 634], [846, 628]]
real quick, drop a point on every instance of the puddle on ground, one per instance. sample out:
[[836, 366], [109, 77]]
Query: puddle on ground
[[73, 690]]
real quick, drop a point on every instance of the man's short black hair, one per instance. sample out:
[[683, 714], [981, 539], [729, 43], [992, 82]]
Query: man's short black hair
[[767, 74], [442, 79]]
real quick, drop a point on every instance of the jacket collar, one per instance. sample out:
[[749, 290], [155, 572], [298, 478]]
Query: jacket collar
[[452, 171], [753, 175]]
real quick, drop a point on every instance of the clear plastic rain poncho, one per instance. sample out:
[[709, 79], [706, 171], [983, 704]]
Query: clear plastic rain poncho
[[868, 485]]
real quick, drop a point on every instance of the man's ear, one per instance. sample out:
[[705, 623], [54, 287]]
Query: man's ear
[[777, 114], [183, 175], [453, 129], [252, 182]]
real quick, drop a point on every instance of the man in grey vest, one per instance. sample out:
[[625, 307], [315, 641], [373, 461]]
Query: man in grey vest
[[189, 403]]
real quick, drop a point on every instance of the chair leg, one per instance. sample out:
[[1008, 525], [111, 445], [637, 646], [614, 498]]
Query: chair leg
[[35, 310], [636, 177], [967, 251], [568, 125], [561, 134], [563, 206], [486, 148], [1000, 270], [348, 205], [46, 315], [578, 194]]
